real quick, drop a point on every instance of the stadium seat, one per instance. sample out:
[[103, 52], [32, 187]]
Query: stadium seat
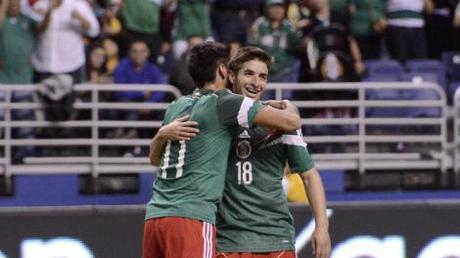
[[451, 62], [419, 77], [384, 68], [453, 86], [425, 66], [382, 78]]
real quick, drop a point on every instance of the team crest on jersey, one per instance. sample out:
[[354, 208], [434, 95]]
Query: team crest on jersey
[[244, 135], [243, 149]]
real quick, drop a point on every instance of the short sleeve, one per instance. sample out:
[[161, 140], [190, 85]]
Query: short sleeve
[[297, 153], [234, 109]]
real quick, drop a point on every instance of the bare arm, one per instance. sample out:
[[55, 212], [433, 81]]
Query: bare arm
[[428, 5], [321, 242], [3, 8], [43, 25], [180, 129], [456, 22], [285, 119], [357, 57]]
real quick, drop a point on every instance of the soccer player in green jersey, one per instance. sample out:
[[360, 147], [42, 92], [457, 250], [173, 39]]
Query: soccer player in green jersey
[[253, 217], [180, 216]]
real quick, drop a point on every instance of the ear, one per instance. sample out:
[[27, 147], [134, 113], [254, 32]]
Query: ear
[[222, 71], [231, 77]]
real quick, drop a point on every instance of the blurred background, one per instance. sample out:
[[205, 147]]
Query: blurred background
[[84, 85]]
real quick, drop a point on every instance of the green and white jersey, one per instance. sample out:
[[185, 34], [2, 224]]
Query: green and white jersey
[[191, 175], [253, 215]]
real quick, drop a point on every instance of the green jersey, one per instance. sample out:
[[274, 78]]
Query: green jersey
[[253, 215], [190, 180]]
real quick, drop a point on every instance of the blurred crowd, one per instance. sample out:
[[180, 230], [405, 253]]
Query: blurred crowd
[[144, 41]]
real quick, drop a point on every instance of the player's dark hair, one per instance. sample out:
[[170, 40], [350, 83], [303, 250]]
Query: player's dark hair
[[246, 54], [203, 61]]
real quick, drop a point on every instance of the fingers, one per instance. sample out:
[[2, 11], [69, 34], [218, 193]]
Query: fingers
[[189, 123], [321, 250], [313, 247], [183, 118], [190, 130], [186, 136]]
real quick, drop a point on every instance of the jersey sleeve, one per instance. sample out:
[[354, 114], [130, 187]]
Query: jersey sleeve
[[297, 153], [234, 109]]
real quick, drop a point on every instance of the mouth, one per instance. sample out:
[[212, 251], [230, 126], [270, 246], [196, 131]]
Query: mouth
[[251, 90]]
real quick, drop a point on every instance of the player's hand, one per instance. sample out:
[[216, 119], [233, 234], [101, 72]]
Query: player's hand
[[321, 243], [278, 104], [181, 129]]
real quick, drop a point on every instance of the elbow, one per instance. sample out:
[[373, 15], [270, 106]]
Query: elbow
[[293, 123]]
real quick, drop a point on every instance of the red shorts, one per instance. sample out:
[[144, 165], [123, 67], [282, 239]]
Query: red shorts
[[281, 254], [175, 237]]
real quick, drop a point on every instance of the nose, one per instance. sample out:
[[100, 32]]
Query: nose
[[255, 81]]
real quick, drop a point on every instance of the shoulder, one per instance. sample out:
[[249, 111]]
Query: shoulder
[[124, 63], [259, 22], [288, 25], [152, 67]]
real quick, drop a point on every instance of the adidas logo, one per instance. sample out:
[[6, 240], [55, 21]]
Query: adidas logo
[[244, 135]]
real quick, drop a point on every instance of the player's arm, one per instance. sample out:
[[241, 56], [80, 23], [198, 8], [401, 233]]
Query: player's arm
[[284, 117], [181, 129], [3, 7], [320, 241], [300, 162], [235, 109]]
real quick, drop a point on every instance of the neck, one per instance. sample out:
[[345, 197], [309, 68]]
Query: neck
[[324, 12], [276, 24], [212, 86]]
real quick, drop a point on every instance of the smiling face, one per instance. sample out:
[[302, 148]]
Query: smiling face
[[251, 79]]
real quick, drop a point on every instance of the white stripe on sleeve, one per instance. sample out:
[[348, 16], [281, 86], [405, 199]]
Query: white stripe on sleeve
[[293, 140], [243, 112]]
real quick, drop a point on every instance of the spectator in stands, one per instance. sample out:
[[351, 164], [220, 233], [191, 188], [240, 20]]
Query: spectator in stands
[[141, 20], [16, 47], [110, 23], [328, 52], [60, 48], [96, 69], [192, 18], [277, 36], [111, 50], [439, 29], [367, 24], [405, 36], [17, 43], [136, 69], [242, 13]]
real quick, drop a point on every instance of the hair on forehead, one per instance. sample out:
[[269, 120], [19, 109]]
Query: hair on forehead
[[247, 54]]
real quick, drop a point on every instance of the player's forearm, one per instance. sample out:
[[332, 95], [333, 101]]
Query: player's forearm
[[281, 120], [156, 149], [316, 197]]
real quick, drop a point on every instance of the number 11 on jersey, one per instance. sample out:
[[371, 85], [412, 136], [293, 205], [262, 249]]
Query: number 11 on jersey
[[244, 172]]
